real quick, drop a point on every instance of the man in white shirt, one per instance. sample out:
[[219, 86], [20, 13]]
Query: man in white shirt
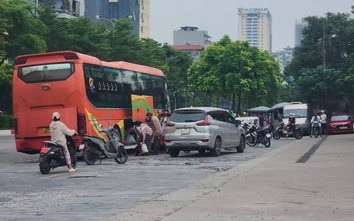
[[323, 122]]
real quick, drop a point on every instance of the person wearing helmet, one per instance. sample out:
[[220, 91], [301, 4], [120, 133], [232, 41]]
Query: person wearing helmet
[[58, 130], [291, 123]]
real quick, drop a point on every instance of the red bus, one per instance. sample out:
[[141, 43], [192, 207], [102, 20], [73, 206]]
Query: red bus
[[87, 93]]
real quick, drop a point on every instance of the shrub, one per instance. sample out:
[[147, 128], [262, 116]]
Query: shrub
[[6, 121]]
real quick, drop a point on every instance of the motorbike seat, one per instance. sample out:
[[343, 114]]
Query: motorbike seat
[[88, 138], [51, 144], [261, 129]]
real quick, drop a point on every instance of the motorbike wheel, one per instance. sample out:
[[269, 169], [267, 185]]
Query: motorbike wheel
[[89, 156], [276, 135], [298, 134], [316, 132], [267, 142], [250, 142], [44, 166], [122, 155]]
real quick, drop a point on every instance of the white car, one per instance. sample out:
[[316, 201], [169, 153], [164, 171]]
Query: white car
[[201, 129]]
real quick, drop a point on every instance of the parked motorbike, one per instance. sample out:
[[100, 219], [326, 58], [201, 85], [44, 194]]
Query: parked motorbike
[[52, 155], [315, 129], [281, 132], [255, 136], [96, 148]]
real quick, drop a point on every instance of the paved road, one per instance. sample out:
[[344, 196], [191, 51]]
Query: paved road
[[26, 194]]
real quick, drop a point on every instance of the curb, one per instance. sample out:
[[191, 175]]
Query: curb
[[7, 132]]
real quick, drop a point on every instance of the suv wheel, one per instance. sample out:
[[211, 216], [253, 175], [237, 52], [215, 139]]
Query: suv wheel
[[173, 153], [217, 147], [242, 145], [201, 151]]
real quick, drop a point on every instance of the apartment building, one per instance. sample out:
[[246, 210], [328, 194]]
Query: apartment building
[[255, 27]]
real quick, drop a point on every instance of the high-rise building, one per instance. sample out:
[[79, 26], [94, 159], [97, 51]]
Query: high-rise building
[[299, 28], [191, 40], [255, 27], [284, 57], [137, 11]]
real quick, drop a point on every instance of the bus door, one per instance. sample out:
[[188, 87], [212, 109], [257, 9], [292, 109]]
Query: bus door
[[141, 105]]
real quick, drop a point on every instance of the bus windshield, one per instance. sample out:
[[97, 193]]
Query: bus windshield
[[45, 72]]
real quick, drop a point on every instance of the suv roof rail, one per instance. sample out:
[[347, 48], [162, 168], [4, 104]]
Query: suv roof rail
[[296, 102]]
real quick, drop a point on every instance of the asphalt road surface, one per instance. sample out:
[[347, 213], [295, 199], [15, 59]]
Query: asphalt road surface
[[103, 190]]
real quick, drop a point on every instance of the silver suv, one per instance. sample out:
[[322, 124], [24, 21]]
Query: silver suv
[[203, 128]]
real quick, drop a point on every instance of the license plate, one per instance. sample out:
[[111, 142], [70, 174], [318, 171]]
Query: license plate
[[342, 128], [268, 135], [185, 144], [185, 131]]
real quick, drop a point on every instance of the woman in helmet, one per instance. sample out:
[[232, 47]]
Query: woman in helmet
[[58, 130]]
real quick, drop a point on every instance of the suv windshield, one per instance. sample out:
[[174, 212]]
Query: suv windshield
[[188, 116]]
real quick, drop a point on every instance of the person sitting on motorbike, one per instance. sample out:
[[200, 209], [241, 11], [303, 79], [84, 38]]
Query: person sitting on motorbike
[[315, 124], [291, 124], [58, 130]]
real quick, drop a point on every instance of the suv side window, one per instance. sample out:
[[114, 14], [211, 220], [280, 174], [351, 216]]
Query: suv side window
[[228, 118], [217, 115]]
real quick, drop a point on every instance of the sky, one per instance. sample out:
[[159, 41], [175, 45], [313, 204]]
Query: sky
[[219, 17]]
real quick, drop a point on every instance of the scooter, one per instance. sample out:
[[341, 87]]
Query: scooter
[[281, 132], [255, 136], [315, 130], [96, 148], [52, 155]]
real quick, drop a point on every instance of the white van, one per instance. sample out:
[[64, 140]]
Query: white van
[[301, 112]]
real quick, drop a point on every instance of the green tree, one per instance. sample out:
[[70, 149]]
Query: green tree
[[21, 31], [6, 88], [322, 66], [124, 45], [177, 63], [235, 70]]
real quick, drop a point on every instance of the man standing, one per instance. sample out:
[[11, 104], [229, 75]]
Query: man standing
[[261, 120], [156, 131], [323, 122]]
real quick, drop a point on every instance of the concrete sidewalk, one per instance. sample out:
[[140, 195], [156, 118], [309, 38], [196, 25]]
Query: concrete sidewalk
[[309, 179], [285, 186]]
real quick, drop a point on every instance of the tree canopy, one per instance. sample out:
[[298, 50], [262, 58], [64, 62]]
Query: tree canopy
[[322, 66], [237, 70]]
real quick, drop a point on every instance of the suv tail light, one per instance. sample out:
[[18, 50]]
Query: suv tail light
[[81, 124], [205, 122]]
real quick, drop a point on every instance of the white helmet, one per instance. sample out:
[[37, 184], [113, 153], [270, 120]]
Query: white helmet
[[56, 116]]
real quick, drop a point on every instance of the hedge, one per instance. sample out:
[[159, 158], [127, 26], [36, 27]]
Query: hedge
[[6, 121]]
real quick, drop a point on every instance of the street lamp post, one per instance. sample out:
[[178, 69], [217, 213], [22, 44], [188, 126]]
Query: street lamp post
[[105, 19]]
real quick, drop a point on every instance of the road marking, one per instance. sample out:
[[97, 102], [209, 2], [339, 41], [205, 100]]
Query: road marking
[[311, 151]]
